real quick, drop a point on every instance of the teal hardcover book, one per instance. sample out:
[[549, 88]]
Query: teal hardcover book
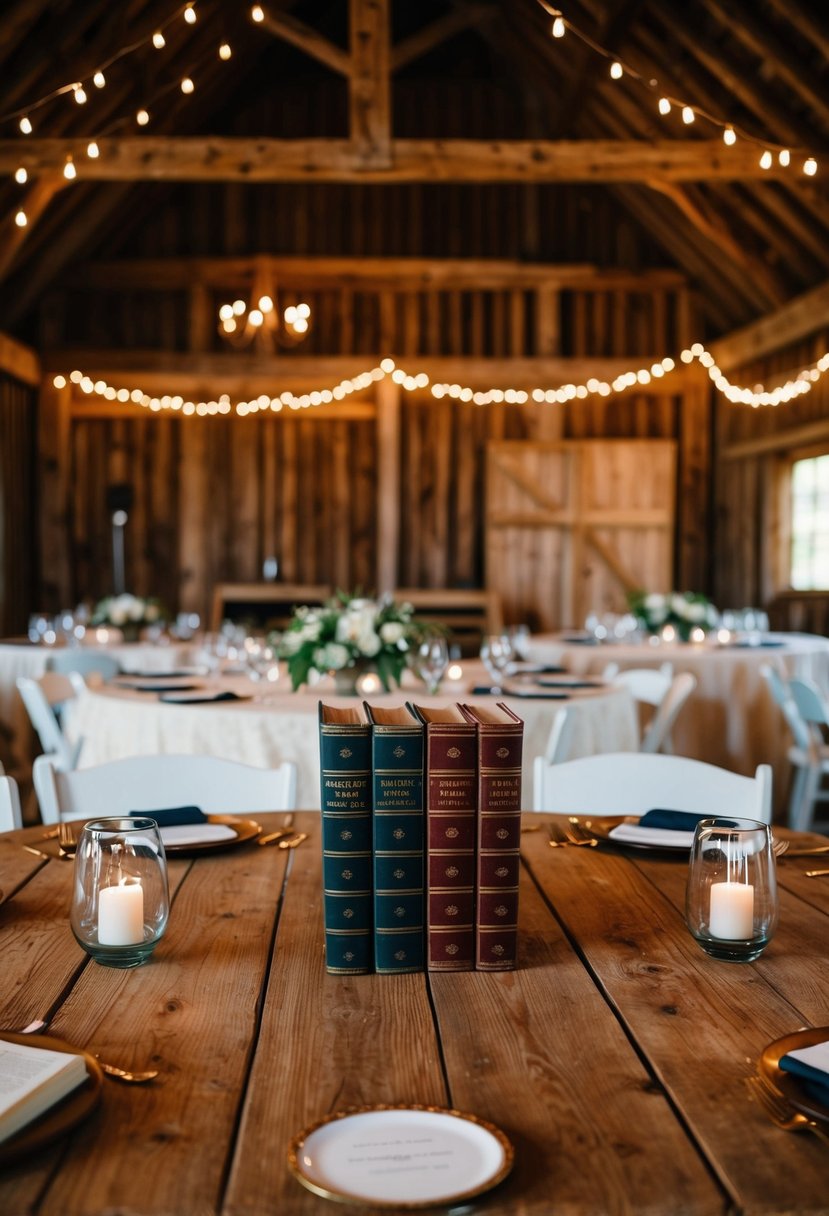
[[345, 798], [397, 768]]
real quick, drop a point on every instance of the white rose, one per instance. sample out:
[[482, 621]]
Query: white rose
[[331, 657], [392, 632], [368, 643], [118, 611], [309, 632], [697, 613]]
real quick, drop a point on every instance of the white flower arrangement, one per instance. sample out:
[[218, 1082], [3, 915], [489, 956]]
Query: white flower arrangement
[[684, 610], [350, 631], [127, 610]]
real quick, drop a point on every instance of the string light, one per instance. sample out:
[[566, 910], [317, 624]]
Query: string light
[[187, 85], [92, 150], [69, 170], [21, 219], [142, 118], [21, 176], [99, 79], [190, 14], [641, 377], [159, 40], [257, 13], [766, 160], [224, 51], [80, 95], [784, 157], [665, 104], [25, 125]]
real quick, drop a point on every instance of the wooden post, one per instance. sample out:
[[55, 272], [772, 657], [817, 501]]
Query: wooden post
[[370, 87], [54, 458], [693, 508], [388, 483]]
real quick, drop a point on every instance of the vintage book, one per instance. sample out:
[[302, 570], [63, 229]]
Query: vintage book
[[345, 799], [500, 747], [397, 764], [31, 1080], [450, 779]]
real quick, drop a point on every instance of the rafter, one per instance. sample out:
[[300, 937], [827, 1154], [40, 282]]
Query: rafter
[[369, 83], [439, 31], [451, 160], [792, 321]]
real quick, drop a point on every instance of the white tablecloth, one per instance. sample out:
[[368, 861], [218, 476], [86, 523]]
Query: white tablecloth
[[731, 718], [277, 724]]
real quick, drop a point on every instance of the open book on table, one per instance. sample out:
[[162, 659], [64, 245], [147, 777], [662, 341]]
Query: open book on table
[[31, 1080]]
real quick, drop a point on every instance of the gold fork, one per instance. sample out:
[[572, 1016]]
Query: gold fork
[[67, 842], [578, 835], [781, 1112], [556, 837], [281, 833]]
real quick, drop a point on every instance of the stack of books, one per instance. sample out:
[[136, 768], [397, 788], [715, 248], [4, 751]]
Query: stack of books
[[421, 822]]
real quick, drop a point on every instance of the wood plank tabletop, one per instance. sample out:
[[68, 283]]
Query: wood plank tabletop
[[615, 1058]]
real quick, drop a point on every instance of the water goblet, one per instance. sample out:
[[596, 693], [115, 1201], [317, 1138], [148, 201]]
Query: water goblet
[[431, 661], [497, 654], [519, 636]]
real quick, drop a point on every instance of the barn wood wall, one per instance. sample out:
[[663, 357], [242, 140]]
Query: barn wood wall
[[18, 515], [754, 451]]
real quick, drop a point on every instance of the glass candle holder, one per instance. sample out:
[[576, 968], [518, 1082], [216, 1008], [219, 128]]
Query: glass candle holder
[[731, 896], [120, 901]]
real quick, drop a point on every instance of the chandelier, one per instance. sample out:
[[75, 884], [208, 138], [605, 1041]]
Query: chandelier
[[259, 322]]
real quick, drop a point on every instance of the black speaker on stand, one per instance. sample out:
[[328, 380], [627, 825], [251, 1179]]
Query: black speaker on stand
[[120, 498]]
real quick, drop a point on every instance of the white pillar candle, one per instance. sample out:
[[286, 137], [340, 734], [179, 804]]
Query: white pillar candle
[[121, 914], [732, 911]]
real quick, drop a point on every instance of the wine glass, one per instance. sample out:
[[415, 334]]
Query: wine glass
[[519, 636], [431, 661], [497, 654]]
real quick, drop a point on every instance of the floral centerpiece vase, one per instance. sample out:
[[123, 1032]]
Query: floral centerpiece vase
[[684, 611], [128, 613]]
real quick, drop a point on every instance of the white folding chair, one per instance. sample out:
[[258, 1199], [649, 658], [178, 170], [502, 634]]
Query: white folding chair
[[648, 686], [804, 754], [42, 698], [630, 783], [657, 736], [558, 744], [813, 710], [10, 816], [148, 783], [86, 662]]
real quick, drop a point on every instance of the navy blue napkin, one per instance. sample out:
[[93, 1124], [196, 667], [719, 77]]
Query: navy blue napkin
[[208, 697], [157, 686], [815, 1080], [680, 821], [172, 816]]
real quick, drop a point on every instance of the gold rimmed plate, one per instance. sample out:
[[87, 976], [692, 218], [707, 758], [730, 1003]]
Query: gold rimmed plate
[[219, 832], [65, 1114], [400, 1157], [789, 1084]]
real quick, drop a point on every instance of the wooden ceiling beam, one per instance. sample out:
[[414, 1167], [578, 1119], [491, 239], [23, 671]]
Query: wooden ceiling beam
[[809, 26], [441, 30], [19, 361], [37, 199], [311, 41], [215, 158], [369, 91], [794, 320]]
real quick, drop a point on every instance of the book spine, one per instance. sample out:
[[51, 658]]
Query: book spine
[[398, 848], [499, 839], [451, 827], [345, 798]]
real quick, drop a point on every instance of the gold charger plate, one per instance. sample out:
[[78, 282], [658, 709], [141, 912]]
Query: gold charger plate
[[245, 829], [788, 1083], [404, 1158], [65, 1114]]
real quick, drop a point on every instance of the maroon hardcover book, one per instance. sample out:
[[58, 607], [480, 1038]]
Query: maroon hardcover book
[[500, 747], [451, 798]]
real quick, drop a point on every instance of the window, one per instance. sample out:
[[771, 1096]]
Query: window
[[810, 524]]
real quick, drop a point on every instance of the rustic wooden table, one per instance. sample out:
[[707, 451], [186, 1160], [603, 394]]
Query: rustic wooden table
[[615, 1058]]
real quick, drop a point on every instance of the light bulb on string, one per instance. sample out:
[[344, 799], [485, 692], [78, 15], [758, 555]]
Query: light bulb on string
[[69, 170], [810, 167], [224, 51], [616, 70], [559, 28], [257, 13], [21, 219], [190, 14], [688, 115], [159, 40], [784, 157], [187, 85], [21, 176], [99, 79], [92, 150], [80, 94], [664, 105], [142, 118], [729, 136], [765, 160], [25, 125]]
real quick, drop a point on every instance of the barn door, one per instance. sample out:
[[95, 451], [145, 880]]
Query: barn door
[[571, 527]]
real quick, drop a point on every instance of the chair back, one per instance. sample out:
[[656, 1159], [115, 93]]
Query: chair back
[[782, 694], [647, 684], [148, 783], [10, 816], [557, 747], [657, 737], [630, 783], [87, 662], [40, 697], [810, 701]]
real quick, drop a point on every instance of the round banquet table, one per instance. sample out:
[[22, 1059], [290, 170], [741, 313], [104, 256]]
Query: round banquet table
[[731, 718], [18, 743], [275, 724]]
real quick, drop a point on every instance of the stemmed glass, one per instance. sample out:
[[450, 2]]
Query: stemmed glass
[[497, 654], [431, 661]]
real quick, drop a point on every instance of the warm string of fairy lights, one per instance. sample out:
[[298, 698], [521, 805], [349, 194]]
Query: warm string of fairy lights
[[688, 111], [80, 91], [266, 404]]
